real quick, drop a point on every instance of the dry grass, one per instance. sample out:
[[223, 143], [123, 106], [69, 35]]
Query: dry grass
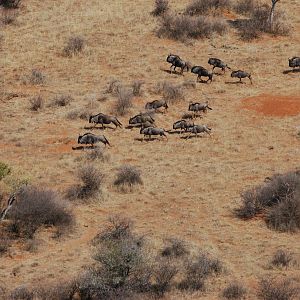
[[282, 259], [161, 7], [204, 7], [170, 92], [4, 170], [234, 290], [124, 101], [10, 3], [74, 46], [36, 77], [174, 248], [62, 100], [36, 103]]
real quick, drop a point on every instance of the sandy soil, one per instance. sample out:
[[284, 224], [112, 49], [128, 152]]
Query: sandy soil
[[190, 186]]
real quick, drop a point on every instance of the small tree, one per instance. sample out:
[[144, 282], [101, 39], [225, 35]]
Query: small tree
[[272, 13]]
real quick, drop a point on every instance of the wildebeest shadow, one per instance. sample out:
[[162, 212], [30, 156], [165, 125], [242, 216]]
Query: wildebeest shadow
[[172, 72], [235, 82], [147, 139], [174, 131], [204, 81], [84, 147], [133, 126], [99, 128], [191, 137], [291, 71]]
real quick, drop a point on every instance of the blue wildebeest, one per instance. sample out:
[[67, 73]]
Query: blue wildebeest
[[294, 62], [91, 139], [200, 71], [177, 62], [104, 119], [199, 129], [157, 104], [218, 63], [152, 131], [141, 118], [182, 125], [241, 74], [197, 107]]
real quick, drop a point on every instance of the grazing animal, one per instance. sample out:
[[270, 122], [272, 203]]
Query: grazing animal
[[157, 104], [200, 71], [91, 139], [152, 131], [241, 74], [141, 118], [177, 62], [104, 119], [197, 107], [199, 129], [218, 63], [294, 62], [183, 125]]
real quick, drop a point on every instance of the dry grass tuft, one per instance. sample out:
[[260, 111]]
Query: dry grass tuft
[[91, 179], [4, 245], [124, 101], [36, 77], [282, 259], [170, 92], [79, 113], [271, 289], [10, 3], [21, 293], [97, 154], [204, 7], [174, 248], [234, 290], [74, 46], [62, 100], [183, 27], [245, 7], [127, 177], [36, 207], [8, 17], [161, 7], [137, 87], [36, 103]]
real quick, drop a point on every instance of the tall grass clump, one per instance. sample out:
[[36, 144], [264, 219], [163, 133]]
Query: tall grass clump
[[161, 7], [127, 177], [124, 101], [35, 207], [74, 46], [201, 7], [278, 200], [10, 3]]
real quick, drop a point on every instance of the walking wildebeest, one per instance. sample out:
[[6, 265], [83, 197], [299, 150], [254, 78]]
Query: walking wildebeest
[[182, 125], [199, 129], [157, 104], [141, 118], [200, 71], [152, 131], [177, 62], [294, 62], [218, 63], [241, 74], [91, 139], [197, 107], [104, 119]]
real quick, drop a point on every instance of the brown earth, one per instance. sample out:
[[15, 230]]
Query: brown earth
[[191, 187]]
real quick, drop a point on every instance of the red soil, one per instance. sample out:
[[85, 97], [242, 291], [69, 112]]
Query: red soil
[[269, 105]]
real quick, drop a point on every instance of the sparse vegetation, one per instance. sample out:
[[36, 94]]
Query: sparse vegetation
[[113, 87], [4, 170], [174, 248], [234, 290], [124, 101], [36, 77], [170, 92], [183, 27], [245, 7], [201, 7], [82, 114], [36, 103], [8, 17], [10, 3], [278, 199], [272, 289], [161, 7], [282, 259], [97, 154], [136, 87], [74, 46], [62, 100], [127, 177], [4, 246], [91, 179], [259, 23], [36, 207]]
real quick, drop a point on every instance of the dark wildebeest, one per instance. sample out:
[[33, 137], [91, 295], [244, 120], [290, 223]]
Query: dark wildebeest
[[141, 118], [294, 62], [104, 119], [218, 63], [152, 131], [200, 71], [177, 62], [241, 74], [197, 107], [91, 139], [157, 104], [182, 125], [199, 129]]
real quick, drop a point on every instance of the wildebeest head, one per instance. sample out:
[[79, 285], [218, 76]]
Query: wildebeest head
[[90, 119], [166, 106], [79, 139], [172, 57]]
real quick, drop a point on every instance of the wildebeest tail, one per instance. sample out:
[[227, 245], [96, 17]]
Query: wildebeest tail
[[209, 107], [107, 142]]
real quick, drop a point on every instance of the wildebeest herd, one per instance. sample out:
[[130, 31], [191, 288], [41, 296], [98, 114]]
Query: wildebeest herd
[[146, 122]]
